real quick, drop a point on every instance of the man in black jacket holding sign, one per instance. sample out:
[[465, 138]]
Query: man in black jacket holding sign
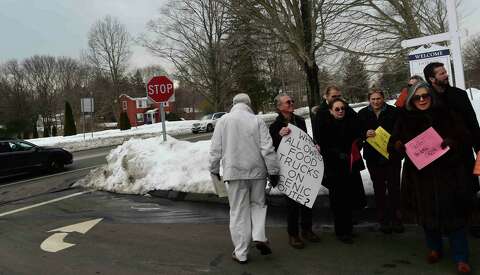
[[278, 129]]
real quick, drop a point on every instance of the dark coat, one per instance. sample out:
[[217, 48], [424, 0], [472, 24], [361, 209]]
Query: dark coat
[[335, 139], [323, 113], [437, 196], [281, 122], [368, 120], [457, 100]]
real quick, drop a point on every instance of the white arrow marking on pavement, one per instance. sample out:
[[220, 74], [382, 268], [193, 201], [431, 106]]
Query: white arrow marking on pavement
[[55, 242]]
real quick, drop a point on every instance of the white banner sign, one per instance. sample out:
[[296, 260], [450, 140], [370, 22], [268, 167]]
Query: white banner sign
[[86, 105], [301, 167], [421, 57]]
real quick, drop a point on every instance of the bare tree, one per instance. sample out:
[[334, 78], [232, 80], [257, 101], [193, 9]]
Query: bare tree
[[108, 50], [472, 61], [191, 34], [303, 26], [376, 28]]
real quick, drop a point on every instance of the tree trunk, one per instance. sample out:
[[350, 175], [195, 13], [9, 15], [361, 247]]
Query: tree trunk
[[313, 86]]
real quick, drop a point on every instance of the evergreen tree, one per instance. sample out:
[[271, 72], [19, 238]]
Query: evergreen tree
[[69, 128], [394, 74], [355, 79], [124, 122], [325, 78]]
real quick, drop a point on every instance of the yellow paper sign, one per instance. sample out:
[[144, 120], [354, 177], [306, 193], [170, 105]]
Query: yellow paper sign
[[380, 141]]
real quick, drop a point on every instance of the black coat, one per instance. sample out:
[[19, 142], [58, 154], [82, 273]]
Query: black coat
[[281, 122], [457, 100], [322, 114], [438, 195], [369, 121], [335, 140]]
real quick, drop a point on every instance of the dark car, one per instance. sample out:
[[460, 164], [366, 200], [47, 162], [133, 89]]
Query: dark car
[[19, 156]]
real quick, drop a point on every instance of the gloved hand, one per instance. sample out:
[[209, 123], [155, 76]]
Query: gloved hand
[[447, 142], [274, 179], [399, 147], [217, 175]]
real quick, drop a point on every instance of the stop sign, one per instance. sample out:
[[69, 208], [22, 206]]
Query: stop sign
[[159, 89]]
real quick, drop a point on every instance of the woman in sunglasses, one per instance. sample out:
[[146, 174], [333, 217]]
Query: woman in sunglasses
[[437, 196], [384, 170], [344, 183]]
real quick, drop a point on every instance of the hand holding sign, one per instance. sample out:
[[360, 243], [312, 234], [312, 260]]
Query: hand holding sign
[[379, 141], [425, 148]]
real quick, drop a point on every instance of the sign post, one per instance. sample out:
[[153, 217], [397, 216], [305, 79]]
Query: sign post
[[87, 106], [159, 90], [453, 36]]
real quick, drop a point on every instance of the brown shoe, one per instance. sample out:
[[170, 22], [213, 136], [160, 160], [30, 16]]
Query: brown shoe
[[433, 257], [296, 242], [463, 268], [311, 237]]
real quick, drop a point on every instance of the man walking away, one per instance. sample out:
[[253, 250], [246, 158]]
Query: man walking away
[[242, 143]]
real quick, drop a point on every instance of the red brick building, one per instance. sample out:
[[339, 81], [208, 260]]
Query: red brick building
[[141, 110]]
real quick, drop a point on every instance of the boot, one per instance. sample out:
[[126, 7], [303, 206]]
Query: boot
[[296, 242]]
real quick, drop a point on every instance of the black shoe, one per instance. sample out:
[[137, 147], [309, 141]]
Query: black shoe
[[398, 228], [263, 247], [234, 257], [385, 228], [347, 239], [296, 242]]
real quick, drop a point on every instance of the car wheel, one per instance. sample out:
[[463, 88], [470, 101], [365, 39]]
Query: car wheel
[[54, 165], [209, 128]]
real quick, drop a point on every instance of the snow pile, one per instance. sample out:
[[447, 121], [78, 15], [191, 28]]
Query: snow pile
[[139, 166]]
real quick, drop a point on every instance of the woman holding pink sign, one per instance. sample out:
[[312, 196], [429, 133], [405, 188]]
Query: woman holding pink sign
[[436, 193]]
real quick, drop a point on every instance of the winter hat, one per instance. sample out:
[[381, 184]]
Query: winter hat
[[241, 98], [412, 90]]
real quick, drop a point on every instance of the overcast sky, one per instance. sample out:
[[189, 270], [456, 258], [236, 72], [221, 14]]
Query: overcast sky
[[60, 27]]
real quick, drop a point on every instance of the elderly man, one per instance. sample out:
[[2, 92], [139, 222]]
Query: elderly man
[[296, 211], [242, 143]]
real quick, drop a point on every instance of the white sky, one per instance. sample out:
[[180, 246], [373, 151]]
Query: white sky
[[60, 27]]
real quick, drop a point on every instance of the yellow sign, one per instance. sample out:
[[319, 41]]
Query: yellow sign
[[380, 141]]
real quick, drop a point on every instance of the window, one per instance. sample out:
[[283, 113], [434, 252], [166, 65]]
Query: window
[[124, 105], [141, 103], [139, 117], [20, 146]]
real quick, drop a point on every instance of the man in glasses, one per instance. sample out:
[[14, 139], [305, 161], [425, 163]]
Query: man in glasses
[[400, 102], [295, 210], [457, 99], [242, 143]]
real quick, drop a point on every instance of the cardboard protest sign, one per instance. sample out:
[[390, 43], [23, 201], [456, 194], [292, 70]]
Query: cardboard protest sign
[[301, 167], [425, 148], [476, 169], [379, 141]]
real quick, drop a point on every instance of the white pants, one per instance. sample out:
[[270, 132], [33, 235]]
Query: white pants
[[248, 213]]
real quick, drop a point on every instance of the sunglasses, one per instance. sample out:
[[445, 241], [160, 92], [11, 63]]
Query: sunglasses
[[422, 96], [338, 109], [290, 102]]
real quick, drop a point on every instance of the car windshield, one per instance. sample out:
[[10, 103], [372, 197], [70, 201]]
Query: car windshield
[[205, 117]]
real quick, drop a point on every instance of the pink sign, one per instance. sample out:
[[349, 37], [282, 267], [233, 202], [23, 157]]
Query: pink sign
[[425, 148]]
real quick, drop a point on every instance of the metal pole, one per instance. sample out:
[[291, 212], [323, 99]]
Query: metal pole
[[92, 114], [164, 129], [455, 44]]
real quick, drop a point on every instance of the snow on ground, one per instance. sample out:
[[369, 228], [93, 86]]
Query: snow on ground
[[114, 137], [141, 165]]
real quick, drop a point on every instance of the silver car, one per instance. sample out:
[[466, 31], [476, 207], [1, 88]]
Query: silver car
[[207, 123]]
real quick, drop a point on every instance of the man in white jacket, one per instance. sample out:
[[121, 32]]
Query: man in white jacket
[[242, 143]]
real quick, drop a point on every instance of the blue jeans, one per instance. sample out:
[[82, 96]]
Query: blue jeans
[[458, 243]]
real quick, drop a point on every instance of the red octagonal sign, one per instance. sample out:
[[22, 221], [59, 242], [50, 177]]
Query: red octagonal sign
[[159, 89]]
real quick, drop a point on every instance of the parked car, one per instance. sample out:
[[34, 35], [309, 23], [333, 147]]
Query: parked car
[[207, 123], [19, 156]]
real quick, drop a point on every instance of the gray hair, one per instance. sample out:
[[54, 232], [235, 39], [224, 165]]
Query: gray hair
[[413, 89], [277, 99], [241, 98]]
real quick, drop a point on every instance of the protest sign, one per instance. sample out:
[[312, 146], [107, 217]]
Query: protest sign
[[379, 141], [301, 167], [476, 169], [425, 148]]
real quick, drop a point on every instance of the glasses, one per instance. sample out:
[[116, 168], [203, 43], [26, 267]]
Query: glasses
[[421, 97], [338, 109], [290, 102], [409, 85]]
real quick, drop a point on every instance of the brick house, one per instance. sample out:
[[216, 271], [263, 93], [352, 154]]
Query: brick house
[[141, 110]]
